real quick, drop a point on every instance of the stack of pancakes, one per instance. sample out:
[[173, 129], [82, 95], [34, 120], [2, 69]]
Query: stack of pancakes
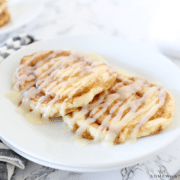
[[95, 100], [4, 14]]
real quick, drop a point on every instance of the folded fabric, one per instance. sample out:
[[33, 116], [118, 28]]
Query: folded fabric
[[15, 43], [8, 158]]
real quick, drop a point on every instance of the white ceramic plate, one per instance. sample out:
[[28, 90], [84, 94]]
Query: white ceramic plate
[[46, 143], [21, 12]]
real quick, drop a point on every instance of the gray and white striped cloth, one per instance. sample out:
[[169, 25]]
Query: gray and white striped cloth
[[13, 44], [9, 160]]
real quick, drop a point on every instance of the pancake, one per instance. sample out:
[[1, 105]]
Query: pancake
[[4, 17], [55, 83], [4, 14], [132, 108]]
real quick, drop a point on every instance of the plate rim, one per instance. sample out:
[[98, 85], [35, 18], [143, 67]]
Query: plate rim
[[79, 169]]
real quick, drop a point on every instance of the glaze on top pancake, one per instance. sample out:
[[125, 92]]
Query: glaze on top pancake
[[132, 108], [58, 82]]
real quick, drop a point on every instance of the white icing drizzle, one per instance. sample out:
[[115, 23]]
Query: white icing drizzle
[[105, 122], [129, 90], [118, 84], [152, 111], [116, 125]]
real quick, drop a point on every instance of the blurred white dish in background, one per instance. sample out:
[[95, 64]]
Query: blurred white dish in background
[[165, 28], [21, 12]]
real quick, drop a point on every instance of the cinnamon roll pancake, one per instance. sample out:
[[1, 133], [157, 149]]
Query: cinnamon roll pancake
[[131, 108], [55, 83], [4, 14]]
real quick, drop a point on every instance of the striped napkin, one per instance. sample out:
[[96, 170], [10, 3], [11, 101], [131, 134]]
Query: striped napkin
[[9, 160]]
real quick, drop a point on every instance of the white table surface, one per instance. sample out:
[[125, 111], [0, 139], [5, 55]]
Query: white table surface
[[129, 19]]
